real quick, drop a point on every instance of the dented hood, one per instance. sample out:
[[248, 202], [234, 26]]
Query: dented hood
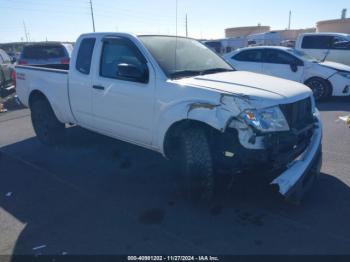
[[267, 90]]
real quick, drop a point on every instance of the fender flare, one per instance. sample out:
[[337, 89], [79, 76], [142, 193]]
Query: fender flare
[[208, 113], [54, 107]]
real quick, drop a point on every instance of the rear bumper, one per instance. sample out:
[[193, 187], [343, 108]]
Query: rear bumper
[[301, 173]]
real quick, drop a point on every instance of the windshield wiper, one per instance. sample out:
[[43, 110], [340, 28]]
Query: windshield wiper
[[184, 73], [215, 70], [189, 73]]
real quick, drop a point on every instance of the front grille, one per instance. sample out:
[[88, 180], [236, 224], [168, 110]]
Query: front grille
[[298, 114]]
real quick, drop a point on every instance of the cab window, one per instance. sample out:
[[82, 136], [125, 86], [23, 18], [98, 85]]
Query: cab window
[[316, 42], [340, 43], [279, 57], [118, 52]]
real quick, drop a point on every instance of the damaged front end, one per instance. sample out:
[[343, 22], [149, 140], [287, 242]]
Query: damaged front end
[[290, 146]]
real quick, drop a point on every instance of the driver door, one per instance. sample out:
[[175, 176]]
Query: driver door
[[279, 63], [122, 105]]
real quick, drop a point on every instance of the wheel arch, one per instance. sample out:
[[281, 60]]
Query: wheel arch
[[176, 128], [38, 94], [330, 86]]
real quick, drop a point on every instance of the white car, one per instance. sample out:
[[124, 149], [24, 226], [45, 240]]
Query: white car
[[324, 78], [334, 47], [174, 96]]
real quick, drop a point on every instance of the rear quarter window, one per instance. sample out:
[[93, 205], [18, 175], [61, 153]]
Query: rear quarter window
[[84, 57], [43, 52]]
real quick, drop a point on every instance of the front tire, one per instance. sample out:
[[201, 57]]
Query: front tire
[[320, 88], [49, 130], [196, 165]]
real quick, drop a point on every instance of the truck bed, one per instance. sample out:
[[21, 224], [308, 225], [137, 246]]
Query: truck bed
[[49, 67], [51, 80]]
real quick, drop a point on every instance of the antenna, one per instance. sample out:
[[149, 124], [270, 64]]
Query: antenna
[[92, 16]]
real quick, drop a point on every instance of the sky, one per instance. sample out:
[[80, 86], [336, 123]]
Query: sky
[[65, 20]]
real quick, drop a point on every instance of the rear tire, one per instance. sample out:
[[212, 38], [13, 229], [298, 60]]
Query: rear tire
[[49, 130], [196, 165], [320, 88]]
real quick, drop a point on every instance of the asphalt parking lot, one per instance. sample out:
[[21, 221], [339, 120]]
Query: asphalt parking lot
[[96, 195]]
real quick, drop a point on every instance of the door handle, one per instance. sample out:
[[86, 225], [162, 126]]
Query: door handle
[[98, 87]]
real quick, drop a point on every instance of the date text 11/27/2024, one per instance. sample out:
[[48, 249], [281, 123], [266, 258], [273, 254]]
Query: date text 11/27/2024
[[173, 258]]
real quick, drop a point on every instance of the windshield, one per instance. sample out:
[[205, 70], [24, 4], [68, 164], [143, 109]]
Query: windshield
[[182, 57], [303, 55]]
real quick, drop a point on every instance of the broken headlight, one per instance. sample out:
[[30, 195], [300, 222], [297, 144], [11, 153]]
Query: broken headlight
[[266, 120]]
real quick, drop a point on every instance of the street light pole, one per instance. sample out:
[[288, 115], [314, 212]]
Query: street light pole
[[92, 15]]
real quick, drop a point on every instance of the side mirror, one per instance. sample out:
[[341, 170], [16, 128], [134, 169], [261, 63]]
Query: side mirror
[[294, 67], [133, 73], [345, 45]]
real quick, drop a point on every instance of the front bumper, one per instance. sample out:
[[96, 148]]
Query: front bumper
[[300, 174], [340, 85]]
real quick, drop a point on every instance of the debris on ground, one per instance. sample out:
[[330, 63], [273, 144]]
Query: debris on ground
[[39, 247], [345, 119], [2, 108]]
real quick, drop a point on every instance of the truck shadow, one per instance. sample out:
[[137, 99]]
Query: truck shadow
[[95, 195], [335, 104]]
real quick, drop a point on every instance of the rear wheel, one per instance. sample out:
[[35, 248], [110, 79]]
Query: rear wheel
[[320, 87], [195, 163], [48, 128]]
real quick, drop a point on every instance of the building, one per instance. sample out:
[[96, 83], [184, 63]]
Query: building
[[235, 32], [336, 26]]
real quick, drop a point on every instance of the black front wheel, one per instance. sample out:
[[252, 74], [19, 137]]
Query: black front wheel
[[49, 130], [319, 87], [196, 165]]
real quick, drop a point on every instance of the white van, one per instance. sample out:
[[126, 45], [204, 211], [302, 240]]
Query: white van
[[268, 38], [333, 47]]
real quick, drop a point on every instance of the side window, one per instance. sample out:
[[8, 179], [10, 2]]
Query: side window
[[120, 54], [249, 56], [340, 43], [83, 64], [316, 42], [279, 57]]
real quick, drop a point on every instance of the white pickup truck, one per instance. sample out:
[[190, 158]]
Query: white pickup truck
[[175, 96]]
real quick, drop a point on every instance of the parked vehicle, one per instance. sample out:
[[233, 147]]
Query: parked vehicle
[[324, 78], [334, 47], [288, 43], [175, 96], [7, 74], [267, 38], [13, 56], [45, 53], [223, 46]]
